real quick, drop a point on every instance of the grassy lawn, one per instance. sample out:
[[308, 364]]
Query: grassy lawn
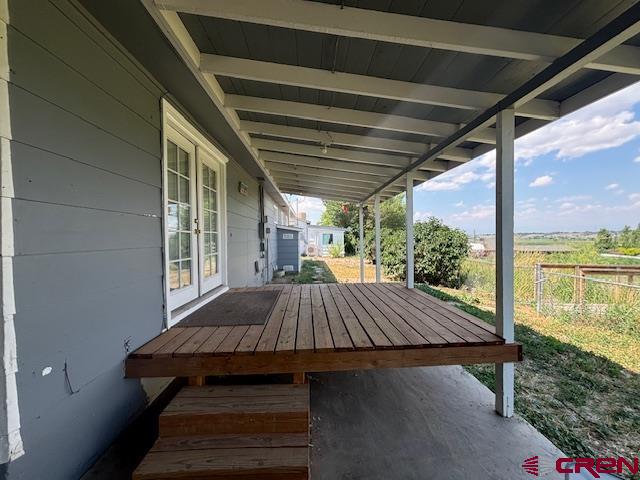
[[577, 385], [311, 271], [347, 269]]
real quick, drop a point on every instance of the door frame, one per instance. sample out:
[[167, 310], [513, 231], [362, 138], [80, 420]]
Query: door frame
[[173, 119]]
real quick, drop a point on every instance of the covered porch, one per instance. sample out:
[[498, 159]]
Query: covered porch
[[320, 327]]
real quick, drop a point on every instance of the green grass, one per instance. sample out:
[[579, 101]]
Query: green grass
[[585, 403], [312, 271]]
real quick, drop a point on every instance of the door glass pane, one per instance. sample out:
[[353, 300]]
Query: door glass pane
[[179, 222], [172, 187], [185, 273], [209, 220], [174, 280], [172, 156]]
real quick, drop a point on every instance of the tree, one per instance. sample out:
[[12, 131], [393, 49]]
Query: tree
[[604, 240], [438, 255], [625, 238], [345, 215]]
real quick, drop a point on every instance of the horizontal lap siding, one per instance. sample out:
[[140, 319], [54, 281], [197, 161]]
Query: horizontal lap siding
[[86, 156], [243, 244]]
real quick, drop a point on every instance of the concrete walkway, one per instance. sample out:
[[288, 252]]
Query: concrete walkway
[[416, 423]]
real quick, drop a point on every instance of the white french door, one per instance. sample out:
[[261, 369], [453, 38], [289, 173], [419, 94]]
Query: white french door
[[193, 219], [209, 222]]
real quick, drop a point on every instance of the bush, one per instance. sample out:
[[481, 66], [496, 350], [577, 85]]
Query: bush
[[335, 250], [632, 251], [438, 255]]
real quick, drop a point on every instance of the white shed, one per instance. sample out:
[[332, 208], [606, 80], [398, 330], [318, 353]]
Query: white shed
[[320, 238]]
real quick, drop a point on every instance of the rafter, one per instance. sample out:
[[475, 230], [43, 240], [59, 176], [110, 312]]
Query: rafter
[[369, 142], [396, 161], [405, 30], [353, 167], [329, 183], [276, 168], [366, 85], [345, 116]]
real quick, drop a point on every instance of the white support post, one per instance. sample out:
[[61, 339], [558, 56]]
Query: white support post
[[409, 228], [504, 255], [376, 213], [361, 241]]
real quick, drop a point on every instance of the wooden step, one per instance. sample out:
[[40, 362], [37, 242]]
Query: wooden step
[[279, 463], [238, 409]]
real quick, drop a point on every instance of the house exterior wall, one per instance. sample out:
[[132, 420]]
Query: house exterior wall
[[88, 266]]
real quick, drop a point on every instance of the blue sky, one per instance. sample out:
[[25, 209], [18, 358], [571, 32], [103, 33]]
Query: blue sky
[[579, 173]]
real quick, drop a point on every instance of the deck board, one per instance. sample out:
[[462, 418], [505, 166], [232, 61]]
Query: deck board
[[329, 327]]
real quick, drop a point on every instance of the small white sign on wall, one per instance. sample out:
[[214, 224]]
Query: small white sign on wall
[[287, 236]]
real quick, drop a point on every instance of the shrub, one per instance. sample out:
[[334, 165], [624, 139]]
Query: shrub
[[632, 251], [438, 255], [335, 250], [604, 240]]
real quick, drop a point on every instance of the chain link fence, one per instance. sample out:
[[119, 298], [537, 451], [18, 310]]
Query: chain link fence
[[583, 293]]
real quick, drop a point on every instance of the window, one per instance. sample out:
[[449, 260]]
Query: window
[[327, 238], [194, 218]]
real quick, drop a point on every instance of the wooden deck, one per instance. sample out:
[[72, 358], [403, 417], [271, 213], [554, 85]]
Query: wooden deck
[[329, 327]]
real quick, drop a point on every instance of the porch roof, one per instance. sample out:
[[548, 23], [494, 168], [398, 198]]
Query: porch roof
[[327, 328], [321, 93]]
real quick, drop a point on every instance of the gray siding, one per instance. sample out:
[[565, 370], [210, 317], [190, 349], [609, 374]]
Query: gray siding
[[243, 244], [88, 266], [86, 155]]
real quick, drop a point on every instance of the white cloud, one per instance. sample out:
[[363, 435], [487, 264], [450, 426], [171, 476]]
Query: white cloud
[[634, 197], [449, 181], [607, 123], [459, 204], [476, 212], [421, 216], [573, 198], [542, 181], [637, 159], [612, 186]]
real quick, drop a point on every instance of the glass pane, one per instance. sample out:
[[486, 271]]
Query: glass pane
[[205, 199], [205, 175], [172, 156], [207, 243], [185, 218], [214, 222], [172, 190], [184, 190], [214, 264], [173, 276], [173, 246], [212, 179], [172, 216], [214, 242], [213, 200], [185, 245], [207, 266], [183, 162], [185, 273]]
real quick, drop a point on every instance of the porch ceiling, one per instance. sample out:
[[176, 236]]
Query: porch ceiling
[[367, 90]]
